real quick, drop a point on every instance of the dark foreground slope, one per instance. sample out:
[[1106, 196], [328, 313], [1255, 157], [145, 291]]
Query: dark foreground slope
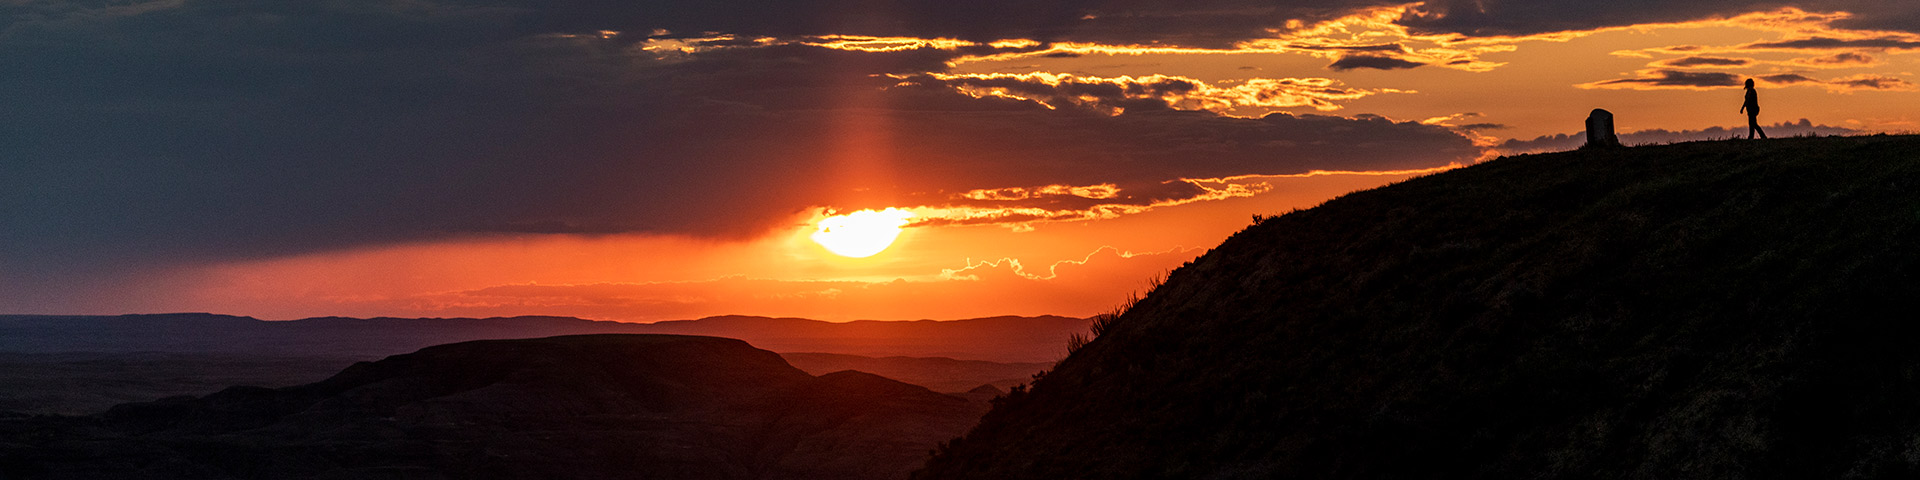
[[587, 406], [1705, 310]]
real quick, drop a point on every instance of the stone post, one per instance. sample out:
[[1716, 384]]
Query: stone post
[[1600, 130]]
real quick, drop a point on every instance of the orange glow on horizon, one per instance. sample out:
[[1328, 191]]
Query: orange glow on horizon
[[1073, 268]]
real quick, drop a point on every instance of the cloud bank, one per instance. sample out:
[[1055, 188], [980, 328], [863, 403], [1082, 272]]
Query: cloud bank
[[210, 130], [146, 133]]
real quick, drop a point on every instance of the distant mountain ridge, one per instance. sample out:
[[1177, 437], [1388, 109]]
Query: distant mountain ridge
[[1003, 339], [1707, 310], [582, 406], [940, 374]]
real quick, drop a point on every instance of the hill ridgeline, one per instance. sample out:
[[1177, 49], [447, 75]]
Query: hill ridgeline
[[581, 406], [1713, 310]]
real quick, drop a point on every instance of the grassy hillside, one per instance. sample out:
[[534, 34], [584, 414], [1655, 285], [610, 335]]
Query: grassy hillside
[[1715, 310]]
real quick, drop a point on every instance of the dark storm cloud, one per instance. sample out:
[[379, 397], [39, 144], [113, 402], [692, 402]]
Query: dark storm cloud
[[1838, 60], [1686, 62], [1871, 82], [1144, 149], [1351, 62], [1788, 78], [194, 131], [1822, 43], [1672, 79], [1204, 23], [1527, 17], [1384, 47], [1483, 126], [1136, 152], [1843, 84], [1201, 23], [1898, 16], [1220, 22]]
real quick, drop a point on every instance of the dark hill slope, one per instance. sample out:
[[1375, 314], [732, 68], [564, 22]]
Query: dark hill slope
[[1713, 310], [586, 406]]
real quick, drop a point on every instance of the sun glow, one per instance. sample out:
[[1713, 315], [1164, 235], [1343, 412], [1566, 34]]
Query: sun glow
[[861, 234]]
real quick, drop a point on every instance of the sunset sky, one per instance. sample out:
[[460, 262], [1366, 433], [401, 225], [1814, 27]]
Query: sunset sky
[[672, 159]]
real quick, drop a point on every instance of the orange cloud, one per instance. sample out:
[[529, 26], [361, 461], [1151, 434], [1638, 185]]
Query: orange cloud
[[1379, 37], [664, 47], [1114, 95], [1184, 191], [1369, 35], [861, 43], [1098, 192], [1786, 20], [1023, 217], [1368, 30], [974, 270], [1372, 37]]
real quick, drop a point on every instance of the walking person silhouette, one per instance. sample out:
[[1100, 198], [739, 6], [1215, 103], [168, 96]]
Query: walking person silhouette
[[1752, 108]]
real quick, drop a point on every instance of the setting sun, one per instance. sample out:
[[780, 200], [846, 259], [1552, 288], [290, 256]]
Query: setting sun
[[861, 234]]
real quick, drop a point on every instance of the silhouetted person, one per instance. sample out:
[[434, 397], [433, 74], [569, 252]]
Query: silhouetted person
[[1752, 107]]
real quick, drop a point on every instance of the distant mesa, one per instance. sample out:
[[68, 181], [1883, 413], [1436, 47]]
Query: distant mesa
[[84, 364], [999, 339], [937, 373], [587, 406], [983, 393]]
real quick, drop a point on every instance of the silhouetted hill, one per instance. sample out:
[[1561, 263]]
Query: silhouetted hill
[[1001, 339], [1702, 310], [588, 406], [86, 383], [84, 364], [996, 339], [82, 383], [940, 374]]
